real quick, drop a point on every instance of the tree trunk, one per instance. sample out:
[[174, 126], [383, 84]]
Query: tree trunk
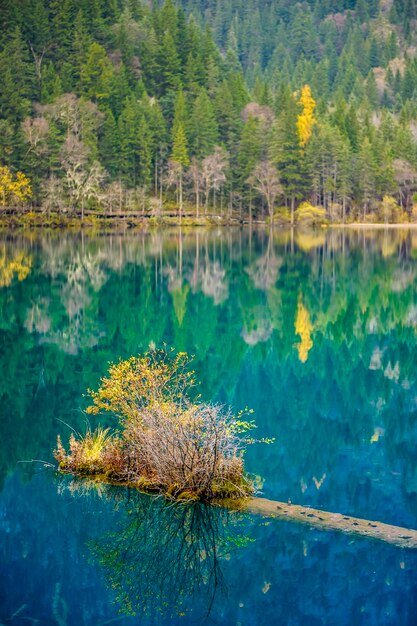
[[161, 182], [181, 195], [395, 535]]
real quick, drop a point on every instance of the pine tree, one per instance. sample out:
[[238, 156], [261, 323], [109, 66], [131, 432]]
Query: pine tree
[[372, 90], [81, 44], [109, 144], [303, 33], [51, 84], [63, 18], [374, 53], [228, 117], [119, 90], [366, 172], [17, 77], [180, 157], [127, 130], [285, 152], [97, 74], [39, 31], [169, 63], [203, 129], [143, 152]]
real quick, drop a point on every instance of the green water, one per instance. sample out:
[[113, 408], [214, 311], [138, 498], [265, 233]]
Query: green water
[[314, 331]]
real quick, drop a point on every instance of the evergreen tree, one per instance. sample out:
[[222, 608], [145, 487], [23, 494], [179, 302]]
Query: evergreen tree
[[203, 129], [366, 172], [249, 152], [97, 74], [154, 85], [17, 77], [109, 144], [285, 152], [180, 158], [169, 64]]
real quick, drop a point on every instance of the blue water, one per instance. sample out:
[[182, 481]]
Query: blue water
[[316, 332]]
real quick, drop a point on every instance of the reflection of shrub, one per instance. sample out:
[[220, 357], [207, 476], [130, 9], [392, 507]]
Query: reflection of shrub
[[168, 442], [309, 214], [165, 560]]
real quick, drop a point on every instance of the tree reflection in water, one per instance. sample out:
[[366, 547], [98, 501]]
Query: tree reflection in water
[[162, 556]]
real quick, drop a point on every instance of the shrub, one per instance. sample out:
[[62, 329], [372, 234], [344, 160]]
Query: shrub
[[390, 212], [169, 442], [309, 214], [282, 215], [96, 452]]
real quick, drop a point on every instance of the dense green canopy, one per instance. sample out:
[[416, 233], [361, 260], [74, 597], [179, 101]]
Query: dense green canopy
[[100, 99]]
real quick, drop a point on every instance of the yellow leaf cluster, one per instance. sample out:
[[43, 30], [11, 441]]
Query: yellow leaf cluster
[[20, 266], [157, 377], [13, 189], [304, 328], [306, 119]]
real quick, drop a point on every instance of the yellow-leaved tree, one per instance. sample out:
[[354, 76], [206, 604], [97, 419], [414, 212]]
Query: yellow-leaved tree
[[14, 189], [306, 119]]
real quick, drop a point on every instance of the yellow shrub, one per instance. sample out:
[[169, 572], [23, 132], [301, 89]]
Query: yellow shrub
[[310, 214], [13, 189]]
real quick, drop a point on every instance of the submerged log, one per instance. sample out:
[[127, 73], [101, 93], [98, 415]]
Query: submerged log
[[323, 520]]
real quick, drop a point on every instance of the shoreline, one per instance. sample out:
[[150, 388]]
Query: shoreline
[[124, 221], [364, 226], [116, 223]]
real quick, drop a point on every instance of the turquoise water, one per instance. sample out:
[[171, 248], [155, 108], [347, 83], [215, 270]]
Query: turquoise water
[[316, 332]]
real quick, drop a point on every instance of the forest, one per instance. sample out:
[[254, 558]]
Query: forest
[[278, 110]]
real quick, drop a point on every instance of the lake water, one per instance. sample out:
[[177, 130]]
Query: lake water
[[317, 332]]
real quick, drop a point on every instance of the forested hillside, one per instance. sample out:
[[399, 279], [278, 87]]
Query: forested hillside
[[237, 106]]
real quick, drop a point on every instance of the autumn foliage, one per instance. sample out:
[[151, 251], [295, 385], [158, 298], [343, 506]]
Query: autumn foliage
[[168, 441], [14, 189], [306, 119]]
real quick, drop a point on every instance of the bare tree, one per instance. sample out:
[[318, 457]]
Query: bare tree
[[53, 194], [82, 180], [214, 169], [195, 177], [35, 131], [79, 117], [113, 196], [406, 178], [38, 59], [264, 179]]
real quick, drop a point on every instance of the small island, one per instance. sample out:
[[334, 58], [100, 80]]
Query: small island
[[167, 441]]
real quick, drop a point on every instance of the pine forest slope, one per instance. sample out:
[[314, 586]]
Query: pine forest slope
[[253, 105]]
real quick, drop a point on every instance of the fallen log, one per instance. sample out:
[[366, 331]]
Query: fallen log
[[324, 520]]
